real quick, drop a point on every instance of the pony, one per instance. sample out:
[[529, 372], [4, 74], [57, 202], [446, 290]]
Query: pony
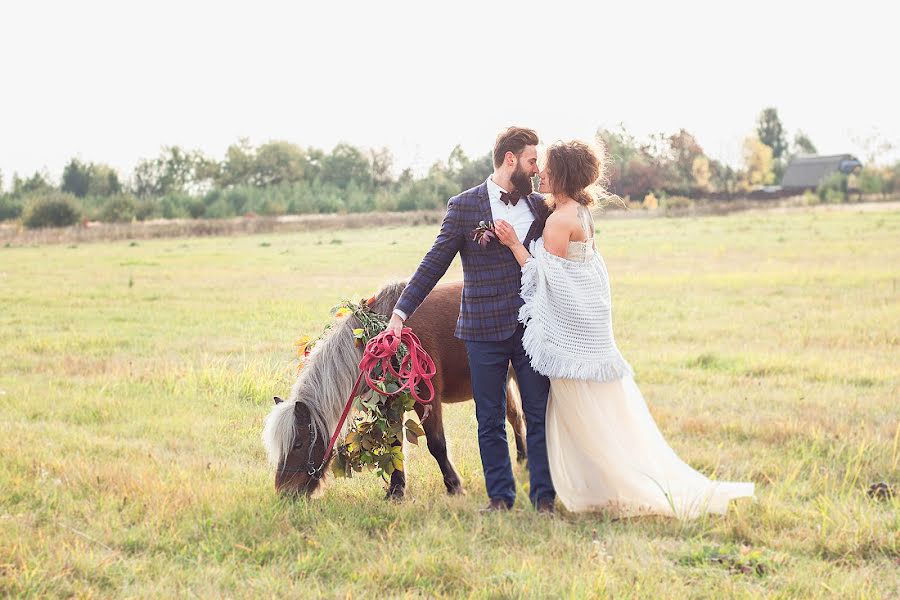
[[297, 430]]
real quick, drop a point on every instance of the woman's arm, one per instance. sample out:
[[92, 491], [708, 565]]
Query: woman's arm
[[507, 236], [557, 233]]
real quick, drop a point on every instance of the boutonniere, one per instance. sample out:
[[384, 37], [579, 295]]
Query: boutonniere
[[484, 233]]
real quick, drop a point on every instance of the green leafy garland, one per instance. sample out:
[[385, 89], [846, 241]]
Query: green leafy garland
[[375, 436]]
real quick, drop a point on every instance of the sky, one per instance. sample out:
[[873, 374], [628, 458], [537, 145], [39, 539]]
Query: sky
[[113, 82]]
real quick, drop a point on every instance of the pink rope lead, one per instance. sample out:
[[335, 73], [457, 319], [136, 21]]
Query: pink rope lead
[[415, 368]]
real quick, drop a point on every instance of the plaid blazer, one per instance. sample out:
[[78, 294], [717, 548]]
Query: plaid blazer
[[492, 277]]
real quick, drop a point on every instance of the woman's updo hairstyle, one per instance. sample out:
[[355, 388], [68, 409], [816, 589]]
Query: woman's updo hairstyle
[[576, 170]]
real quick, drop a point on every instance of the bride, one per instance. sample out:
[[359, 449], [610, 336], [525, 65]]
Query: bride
[[605, 450]]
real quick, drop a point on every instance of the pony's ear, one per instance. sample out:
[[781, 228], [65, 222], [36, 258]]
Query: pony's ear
[[277, 399], [300, 408]]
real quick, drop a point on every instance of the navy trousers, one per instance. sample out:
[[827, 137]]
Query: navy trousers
[[488, 364]]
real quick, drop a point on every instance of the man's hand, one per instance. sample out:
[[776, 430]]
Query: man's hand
[[395, 325], [506, 234]]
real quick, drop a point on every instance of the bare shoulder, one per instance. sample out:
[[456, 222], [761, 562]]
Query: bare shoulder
[[562, 222]]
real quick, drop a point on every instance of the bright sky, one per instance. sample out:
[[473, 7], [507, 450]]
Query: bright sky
[[114, 81]]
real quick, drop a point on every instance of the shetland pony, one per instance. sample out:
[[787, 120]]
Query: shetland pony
[[297, 430]]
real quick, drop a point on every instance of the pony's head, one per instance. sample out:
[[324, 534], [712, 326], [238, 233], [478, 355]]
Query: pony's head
[[295, 445], [298, 429]]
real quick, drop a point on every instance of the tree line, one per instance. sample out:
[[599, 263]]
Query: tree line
[[676, 165], [278, 177]]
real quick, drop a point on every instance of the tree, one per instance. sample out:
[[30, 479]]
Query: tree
[[689, 162], [635, 169], [723, 177], [467, 172], [771, 133], [76, 178], [638, 177], [315, 161], [758, 158], [406, 177], [36, 184], [174, 170], [382, 162], [104, 181], [803, 145], [685, 150], [700, 172], [620, 145], [279, 162], [90, 179], [239, 165], [345, 164]]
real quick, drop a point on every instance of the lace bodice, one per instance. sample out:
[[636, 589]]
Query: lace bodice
[[582, 251]]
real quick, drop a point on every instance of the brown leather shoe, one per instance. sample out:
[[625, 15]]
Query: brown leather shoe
[[545, 507], [497, 504]]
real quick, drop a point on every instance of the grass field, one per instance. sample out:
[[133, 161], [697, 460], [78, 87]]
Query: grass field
[[134, 378]]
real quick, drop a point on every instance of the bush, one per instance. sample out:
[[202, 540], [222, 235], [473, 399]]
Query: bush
[[677, 202], [10, 208], [147, 208], [120, 208], [810, 198], [358, 200], [833, 188], [196, 208], [236, 201], [871, 181], [56, 209], [174, 206], [272, 207], [329, 200], [220, 209], [386, 200]]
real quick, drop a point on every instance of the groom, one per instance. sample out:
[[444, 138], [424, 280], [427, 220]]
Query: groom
[[488, 313]]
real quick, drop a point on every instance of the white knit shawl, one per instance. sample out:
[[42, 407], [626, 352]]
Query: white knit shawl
[[568, 317]]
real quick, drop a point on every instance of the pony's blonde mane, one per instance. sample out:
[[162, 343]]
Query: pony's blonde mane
[[324, 383]]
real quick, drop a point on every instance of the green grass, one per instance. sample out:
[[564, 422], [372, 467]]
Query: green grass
[[134, 378]]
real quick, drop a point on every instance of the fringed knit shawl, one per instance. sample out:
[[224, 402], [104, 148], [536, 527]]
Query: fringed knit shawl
[[568, 317]]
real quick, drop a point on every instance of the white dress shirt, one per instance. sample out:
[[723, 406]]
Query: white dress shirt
[[519, 216]]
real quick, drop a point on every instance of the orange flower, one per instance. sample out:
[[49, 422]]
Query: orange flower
[[302, 345], [342, 313], [370, 301]]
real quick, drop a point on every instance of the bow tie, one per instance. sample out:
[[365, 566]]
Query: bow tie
[[510, 197]]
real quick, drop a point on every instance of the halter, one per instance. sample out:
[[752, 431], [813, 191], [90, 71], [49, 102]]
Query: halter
[[414, 368], [310, 464]]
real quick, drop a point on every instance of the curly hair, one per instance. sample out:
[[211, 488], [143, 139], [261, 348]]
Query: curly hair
[[577, 170]]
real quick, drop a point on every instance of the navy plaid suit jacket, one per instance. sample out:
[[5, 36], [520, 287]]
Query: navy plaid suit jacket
[[492, 278]]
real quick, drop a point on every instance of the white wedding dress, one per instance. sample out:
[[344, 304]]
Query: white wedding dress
[[606, 452]]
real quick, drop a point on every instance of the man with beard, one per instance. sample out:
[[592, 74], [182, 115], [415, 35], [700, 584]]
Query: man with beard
[[488, 314]]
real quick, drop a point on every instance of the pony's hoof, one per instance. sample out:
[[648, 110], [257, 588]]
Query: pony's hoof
[[395, 494], [455, 488]]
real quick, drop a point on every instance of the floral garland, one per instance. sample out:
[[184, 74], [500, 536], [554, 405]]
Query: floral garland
[[375, 436]]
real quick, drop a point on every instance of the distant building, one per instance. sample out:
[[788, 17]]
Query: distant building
[[806, 172]]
